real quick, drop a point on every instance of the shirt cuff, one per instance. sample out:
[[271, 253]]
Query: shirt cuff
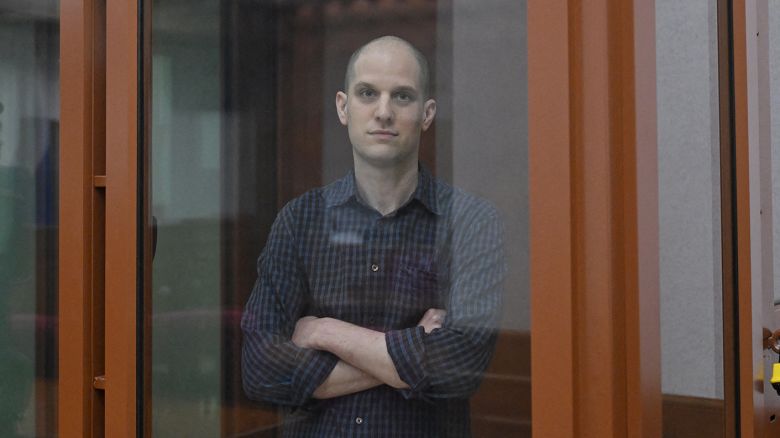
[[407, 350], [313, 368]]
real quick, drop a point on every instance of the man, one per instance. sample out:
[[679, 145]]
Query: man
[[377, 297]]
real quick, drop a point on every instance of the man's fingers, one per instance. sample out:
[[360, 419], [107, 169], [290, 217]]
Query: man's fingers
[[432, 319], [436, 315]]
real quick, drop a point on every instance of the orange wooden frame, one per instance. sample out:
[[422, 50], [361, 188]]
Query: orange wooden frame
[[754, 421], [122, 203], [98, 198], [74, 275], [746, 404], [594, 229], [82, 140]]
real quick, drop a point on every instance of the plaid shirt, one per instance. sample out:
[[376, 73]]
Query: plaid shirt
[[328, 254]]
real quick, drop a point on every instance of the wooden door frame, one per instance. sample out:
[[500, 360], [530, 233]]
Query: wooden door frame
[[98, 219], [124, 215], [747, 402], [82, 218], [594, 219], [100, 263], [749, 69]]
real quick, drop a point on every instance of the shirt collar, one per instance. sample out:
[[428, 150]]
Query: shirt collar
[[426, 190], [342, 190]]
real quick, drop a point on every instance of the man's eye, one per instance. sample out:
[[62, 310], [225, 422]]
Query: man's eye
[[403, 97], [366, 93]]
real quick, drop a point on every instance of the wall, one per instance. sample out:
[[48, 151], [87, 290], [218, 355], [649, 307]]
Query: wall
[[689, 197]]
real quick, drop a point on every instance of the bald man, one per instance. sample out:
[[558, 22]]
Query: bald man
[[377, 298]]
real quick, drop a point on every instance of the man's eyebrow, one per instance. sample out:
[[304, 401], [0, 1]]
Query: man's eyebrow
[[406, 89], [363, 85]]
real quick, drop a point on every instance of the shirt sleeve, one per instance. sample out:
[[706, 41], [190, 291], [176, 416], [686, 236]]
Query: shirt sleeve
[[449, 362], [273, 368]]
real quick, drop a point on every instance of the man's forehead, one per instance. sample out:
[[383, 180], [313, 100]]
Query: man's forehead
[[386, 57]]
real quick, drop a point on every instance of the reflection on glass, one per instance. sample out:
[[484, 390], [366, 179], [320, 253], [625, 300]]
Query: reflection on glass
[[29, 119], [245, 120], [689, 209]]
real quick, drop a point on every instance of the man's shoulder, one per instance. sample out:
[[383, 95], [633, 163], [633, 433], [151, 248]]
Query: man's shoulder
[[314, 201], [310, 201], [461, 205]]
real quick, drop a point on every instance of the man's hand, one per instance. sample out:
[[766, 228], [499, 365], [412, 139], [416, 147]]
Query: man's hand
[[305, 332], [363, 349], [432, 319]]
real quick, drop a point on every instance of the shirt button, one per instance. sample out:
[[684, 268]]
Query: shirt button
[[358, 420], [374, 267]]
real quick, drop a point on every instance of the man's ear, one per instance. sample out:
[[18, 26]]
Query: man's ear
[[341, 107], [429, 112]]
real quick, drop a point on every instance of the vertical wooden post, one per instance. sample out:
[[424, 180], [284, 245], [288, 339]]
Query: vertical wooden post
[[82, 217], [122, 217], [74, 387], [753, 419], [550, 181], [594, 227]]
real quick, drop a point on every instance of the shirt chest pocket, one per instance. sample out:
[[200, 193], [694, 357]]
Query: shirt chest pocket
[[417, 285]]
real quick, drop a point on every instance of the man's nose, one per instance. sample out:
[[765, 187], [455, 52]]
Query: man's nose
[[384, 111]]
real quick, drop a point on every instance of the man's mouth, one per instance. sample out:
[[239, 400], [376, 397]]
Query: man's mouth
[[382, 133]]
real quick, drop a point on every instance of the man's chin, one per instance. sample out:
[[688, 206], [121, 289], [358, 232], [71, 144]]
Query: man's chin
[[384, 160]]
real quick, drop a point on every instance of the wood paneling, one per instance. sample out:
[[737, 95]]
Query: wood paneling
[[502, 404], [692, 417]]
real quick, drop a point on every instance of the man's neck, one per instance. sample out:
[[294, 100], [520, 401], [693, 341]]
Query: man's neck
[[386, 189]]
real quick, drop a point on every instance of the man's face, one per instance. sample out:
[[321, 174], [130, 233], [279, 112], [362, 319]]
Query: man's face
[[383, 109]]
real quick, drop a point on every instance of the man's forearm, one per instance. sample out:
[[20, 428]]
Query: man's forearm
[[343, 380], [360, 347]]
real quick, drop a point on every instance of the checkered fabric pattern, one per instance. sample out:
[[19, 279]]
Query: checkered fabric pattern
[[328, 254]]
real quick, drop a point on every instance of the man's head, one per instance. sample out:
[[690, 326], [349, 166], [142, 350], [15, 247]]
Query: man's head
[[422, 62], [385, 104]]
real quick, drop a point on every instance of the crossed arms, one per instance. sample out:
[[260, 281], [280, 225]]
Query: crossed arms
[[358, 349], [289, 358]]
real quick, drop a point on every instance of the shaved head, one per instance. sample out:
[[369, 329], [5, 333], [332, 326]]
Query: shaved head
[[385, 41]]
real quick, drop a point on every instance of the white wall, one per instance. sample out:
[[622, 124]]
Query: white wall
[[689, 198]]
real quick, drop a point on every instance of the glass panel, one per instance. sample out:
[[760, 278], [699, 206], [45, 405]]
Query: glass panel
[[29, 132], [244, 123], [690, 233]]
